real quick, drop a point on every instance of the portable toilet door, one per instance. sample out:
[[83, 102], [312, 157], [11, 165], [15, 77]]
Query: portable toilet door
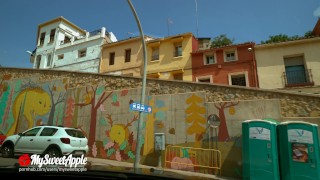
[[299, 151], [260, 150]]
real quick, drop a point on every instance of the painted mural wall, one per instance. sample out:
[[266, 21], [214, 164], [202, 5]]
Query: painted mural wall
[[105, 118]]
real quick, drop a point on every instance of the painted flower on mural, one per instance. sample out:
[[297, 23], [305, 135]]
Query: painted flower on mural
[[121, 145], [118, 133]]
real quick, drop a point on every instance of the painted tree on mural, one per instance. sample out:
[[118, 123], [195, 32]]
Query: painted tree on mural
[[3, 84], [54, 103], [69, 113], [8, 102], [75, 96], [157, 115], [90, 100], [223, 134], [195, 116]]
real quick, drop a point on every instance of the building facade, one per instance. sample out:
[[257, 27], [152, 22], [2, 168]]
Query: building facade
[[124, 57], [170, 57], [230, 65], [289, 64], [64, 46]]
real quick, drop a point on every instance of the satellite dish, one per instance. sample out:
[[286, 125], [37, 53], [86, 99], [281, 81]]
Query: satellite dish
[[213, 120]]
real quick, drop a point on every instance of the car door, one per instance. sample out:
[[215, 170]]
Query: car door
[[25, 143], [44, 139]]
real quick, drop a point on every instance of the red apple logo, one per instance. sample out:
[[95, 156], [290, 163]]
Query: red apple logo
[[24, 160]]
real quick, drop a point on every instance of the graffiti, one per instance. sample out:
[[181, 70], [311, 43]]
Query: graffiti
[[223, 134], [29, 103], [195, 117], [122, 145]]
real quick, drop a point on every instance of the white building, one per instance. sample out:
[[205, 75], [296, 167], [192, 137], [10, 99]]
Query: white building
[[64, 46]]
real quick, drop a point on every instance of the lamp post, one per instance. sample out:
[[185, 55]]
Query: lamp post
[[144, 80]]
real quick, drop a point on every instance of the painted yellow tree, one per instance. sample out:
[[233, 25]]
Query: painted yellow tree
[[195, 117], [149, 134]]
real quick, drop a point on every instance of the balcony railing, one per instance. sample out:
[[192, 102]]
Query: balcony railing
[[298, 78]]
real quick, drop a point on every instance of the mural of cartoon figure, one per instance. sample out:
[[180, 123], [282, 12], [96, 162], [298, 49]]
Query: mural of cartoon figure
[[29, 103]]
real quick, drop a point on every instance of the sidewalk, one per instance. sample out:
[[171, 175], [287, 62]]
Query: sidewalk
[[100, 164]]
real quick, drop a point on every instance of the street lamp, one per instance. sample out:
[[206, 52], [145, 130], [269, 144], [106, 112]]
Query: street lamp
[[143, 91]]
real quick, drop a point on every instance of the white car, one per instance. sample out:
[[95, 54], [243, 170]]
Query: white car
[[53, 140]]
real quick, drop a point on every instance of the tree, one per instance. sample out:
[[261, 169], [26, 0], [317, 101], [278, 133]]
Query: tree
[[308, 34], [284, 38], [90, 99], [221, 40]]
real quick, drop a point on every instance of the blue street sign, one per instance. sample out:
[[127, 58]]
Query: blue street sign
[[140, 107]]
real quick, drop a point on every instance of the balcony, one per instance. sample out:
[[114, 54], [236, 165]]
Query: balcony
[[298, 78]]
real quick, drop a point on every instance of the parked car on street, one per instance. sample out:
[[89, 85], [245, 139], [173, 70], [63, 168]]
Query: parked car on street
[[53, 140]]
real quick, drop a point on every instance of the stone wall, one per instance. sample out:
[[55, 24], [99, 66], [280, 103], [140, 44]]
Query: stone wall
[[291, 104]]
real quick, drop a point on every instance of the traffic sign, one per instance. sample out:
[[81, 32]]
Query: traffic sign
[[140, 107]]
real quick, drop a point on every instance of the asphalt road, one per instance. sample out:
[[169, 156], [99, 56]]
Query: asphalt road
[[8, 161]]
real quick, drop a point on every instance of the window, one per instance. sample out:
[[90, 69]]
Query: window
[[206, 79], [66, 39], [60, 56], [155, 54], [239, 80], [38, 61], [127, 55], [177, 76], [32, 132], [82, 53], [178, 50], [52, 33], [48, 131], [230, 56], [74, 133], [209, 59], [41, 40], [111, 60], [48, 60]]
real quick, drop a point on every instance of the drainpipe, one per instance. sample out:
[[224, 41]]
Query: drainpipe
[[255, 74]]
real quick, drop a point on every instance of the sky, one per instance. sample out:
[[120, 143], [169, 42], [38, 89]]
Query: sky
[[241, 20]]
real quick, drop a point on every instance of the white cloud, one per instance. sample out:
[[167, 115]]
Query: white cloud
[[316, 12]]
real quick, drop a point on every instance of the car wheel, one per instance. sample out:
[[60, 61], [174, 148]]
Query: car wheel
[[53, 152], [7, 151]]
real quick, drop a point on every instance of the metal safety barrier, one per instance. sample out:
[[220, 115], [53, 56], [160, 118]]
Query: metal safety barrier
[[192, 159]]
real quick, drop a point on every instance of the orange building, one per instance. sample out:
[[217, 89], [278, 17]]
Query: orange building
[[230, 65]]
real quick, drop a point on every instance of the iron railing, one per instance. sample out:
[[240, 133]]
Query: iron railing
[[298, 78], [193, 159]]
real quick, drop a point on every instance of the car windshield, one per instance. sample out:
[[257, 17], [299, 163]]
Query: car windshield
[[185, 89]]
